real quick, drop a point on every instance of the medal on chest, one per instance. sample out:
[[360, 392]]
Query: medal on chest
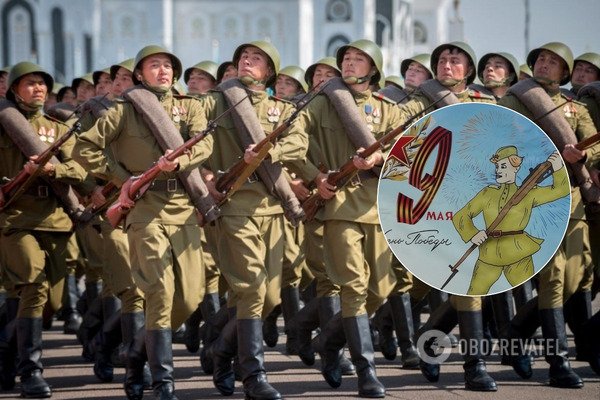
[[47, 135], [178, 113], [570, 110], [273, 114]]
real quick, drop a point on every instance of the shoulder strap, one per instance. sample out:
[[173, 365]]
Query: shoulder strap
[[394, 93], [436, 92]]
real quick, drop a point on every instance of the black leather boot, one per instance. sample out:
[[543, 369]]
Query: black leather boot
[[331, 344], [159, 348], [444, 319], [210, 332], [8, 346], [523, 326], [306, 321], [290, 306], [522, 294], [270, 332], [471, 331], [251, 361], [553, 327], [72, 317], [132, 325], [92, 292], [504, 312], [222, 351], [329, 306], [577, 311], [436, 298], [109, 339], [90, 326], [191, 337], [591, 333], [402, 315], [29, 347], [384, 324], [358, 336]]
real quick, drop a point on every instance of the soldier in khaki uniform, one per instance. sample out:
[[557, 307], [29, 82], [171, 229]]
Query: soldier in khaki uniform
[[454, 68], [563, 276], [201, 77], [35, 228], [164, 238], [356, 253], [251, 226], [227, 70]]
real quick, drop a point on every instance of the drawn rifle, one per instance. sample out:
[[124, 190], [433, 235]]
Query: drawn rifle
[[341, 176], [234, 177], [141, 183], [14, 189], [537, 175]]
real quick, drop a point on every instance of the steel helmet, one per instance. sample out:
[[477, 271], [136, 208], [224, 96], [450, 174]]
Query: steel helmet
[[97, 74], [127, 64], [87, 77], [561, 50], [24, 68], [310, 71], [395, 80], [209, 67], [424, 59], [592, 58], [152, 50], [295, 73], [512, 62], [369, 48], [268, 49], [465, 48]]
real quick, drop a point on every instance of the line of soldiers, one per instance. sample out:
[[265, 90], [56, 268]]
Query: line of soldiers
[[224, 265]]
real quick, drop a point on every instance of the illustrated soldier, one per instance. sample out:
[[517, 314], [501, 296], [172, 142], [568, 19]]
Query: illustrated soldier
[[162, 228], [35, 227], [566, 122]]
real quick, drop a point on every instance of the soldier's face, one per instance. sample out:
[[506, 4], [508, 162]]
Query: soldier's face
[[323, 73], [254, 63], [415, 74], [505, 172], [286, 87], [104, 85], [453, 65], [157, 71], [549, 66], [122, 82], [584, 73], [69, 97], [200, 82], [356, 63], [496, 69], [3, 84], [85, 91], [32, 89], [230, 72]]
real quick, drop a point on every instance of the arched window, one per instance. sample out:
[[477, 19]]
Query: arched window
[[335, 43], [420, 33], [18, 38]]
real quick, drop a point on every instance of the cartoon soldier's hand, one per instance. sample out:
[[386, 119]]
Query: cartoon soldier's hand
[[556, 161], [479, 238]]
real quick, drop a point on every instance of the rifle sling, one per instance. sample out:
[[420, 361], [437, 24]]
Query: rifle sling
[[539, 103], [250, 131], [168, 137], [22, 134]]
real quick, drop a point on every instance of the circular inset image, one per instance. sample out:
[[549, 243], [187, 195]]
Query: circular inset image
[[474, 199]]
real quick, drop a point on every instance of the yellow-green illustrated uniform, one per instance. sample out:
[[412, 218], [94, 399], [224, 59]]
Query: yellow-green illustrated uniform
[[250, 229], [511, 254], [357, 255], [35, 229], [164, 238], [564, 273]]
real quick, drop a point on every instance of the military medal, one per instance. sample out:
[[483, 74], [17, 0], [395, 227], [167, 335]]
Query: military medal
[[50, 136], [273, 114], [569, 110], [176, 117], [377, 116], [42, 134]]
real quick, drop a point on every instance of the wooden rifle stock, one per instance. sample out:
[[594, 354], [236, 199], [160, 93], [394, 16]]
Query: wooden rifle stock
[[235, 176], [341, 176], [140, 184], [589, 142]]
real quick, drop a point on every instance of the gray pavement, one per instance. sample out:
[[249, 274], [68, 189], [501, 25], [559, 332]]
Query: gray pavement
[[73, 378]]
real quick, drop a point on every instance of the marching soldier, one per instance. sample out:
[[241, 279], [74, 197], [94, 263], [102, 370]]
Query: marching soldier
[[566, 122], [35, 228], [201, 78], [227, 70], [162, 230], [84, 88], [497, 71]]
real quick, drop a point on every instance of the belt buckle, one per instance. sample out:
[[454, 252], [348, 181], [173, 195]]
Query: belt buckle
[[253, 178], [171, 185], [42, 191], [495, 234], [355, 181]]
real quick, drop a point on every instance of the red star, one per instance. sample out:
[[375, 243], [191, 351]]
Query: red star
[[399, 149]]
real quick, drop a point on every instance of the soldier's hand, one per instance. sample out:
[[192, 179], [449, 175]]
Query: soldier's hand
[[250, 157], [571, 154], [368, 162], [299, 189], [326, 190], [124, 200], [97, 197], [556, 161], [31, 166], [165, 165], [212, 189], [479, 238]]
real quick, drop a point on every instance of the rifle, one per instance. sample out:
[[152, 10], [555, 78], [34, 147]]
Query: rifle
[[14, 189], [140, 183], [589, 142], [340, 177], [537, 175], [235, 176]]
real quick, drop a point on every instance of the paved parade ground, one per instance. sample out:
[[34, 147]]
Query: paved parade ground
[[72, 378]]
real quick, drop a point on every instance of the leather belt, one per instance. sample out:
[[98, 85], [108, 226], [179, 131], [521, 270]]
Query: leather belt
[[362, 175], [497, 234], [41, 191], [166, 185]]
